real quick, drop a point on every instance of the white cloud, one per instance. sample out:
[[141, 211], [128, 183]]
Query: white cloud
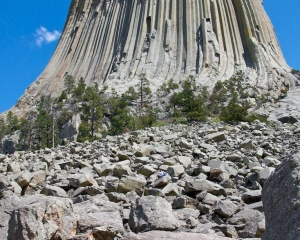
[[43, 35]]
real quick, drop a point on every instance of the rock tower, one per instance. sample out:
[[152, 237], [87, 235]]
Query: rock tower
[[113, 42]]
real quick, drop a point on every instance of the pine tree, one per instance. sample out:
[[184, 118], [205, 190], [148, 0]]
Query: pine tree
[[79, 89], [45, 125], [91, 114], [2, 128], [27, 131], [69, 83], [12, 123]]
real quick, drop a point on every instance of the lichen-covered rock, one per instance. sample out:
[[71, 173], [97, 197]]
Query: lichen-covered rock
[[57, 221], [152, 213], [131, 183], [251, 223], [281, 200]]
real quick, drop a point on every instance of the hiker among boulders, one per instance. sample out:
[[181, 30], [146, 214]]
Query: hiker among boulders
[[161, 174]]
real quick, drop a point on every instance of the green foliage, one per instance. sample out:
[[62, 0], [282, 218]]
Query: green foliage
[[190, 105], [79, 89], [130, 95], [63, 118], [217, 98], [45, 126], [144, 89], [91, 114], [63, 96], [148, 119], [12, 123], [2, 128], [26, 135], [234, 112], [121, 120], [69, 83]]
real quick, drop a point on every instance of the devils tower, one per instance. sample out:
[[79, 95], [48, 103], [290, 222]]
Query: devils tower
[[113, 42]]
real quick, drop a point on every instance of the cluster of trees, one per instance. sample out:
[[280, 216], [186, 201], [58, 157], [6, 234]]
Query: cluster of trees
[[105, 113], [101, 113], [224, 102]]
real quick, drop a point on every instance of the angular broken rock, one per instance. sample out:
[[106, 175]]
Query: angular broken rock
[[121, 170], [131, 183], [252, 223], [152, 213], [217, 137], [199, 185], [57, 221], [161, 181], [49, 190], [281, 200], [225, 208], [175, 171], [251, 196]]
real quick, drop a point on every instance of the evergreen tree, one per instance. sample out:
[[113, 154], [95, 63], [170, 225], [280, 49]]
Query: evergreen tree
[[2, 128], [91, 114], [63, 96], [27, 132], [144, 89], [79, 89], [192, 106], [12, 123], [45, 125], [234, 112], [121, 119], [69, 83]]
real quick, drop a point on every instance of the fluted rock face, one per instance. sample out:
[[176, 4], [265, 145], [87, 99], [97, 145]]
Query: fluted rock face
[[113, 42]]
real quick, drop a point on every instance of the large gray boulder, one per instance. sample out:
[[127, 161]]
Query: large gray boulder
[[281, 201], [57, 220], [8, 143], [152, 213], [159, 235], [250, 223]]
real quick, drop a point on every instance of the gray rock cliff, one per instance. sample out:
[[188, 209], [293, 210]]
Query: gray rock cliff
[[113, 42]]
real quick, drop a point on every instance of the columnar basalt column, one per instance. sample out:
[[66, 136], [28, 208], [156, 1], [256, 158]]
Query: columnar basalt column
[[113, 42]]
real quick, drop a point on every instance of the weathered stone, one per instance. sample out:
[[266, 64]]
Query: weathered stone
[[24, 179], [199, 185], [252, 222], [57, 220], [161, 181], [54, 191], [175, 171], [217, 137], [152, 213], [157, 235], [247, 144], [185, 161], [184, 202], [209, 199], [121, 170], [13, 167], [88, 190], [251, 196], [130, 183], [281, 201], [81, 180], [172, 189], [146, 170], [225, 208]]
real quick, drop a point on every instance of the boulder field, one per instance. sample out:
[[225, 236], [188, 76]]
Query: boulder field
[[109, 189]]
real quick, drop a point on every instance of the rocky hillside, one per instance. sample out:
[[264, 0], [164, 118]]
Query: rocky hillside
[[109, 189], [114, 42]]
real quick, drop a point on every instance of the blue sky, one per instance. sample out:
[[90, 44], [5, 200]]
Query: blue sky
[[29, 33]]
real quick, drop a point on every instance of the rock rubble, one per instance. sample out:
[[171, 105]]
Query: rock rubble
[[109, 189]]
